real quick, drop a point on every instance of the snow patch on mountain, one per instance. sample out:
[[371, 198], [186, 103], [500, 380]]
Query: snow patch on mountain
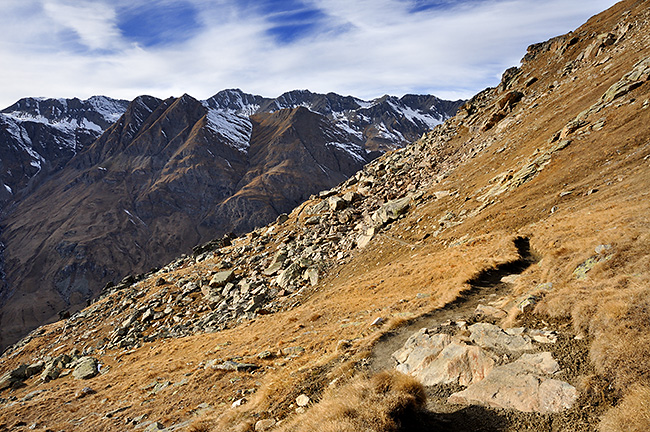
[[356, 152], [385, 133], [68, 125], [415, 116], [342, 122], [235, 129], [110, 109]]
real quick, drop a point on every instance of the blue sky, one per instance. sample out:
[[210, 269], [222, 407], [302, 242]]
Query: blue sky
[[366, 48]]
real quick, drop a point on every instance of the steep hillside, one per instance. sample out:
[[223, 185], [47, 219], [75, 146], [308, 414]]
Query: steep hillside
[[501, 261]]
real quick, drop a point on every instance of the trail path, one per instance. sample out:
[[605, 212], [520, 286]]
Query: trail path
[[486, 286]]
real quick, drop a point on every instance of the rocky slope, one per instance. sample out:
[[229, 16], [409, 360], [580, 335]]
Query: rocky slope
[[515, 235], [165, 176]]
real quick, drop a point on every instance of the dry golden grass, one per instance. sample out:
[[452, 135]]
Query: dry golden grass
[[631, 415], [377, 404], [397, 282], [611, 306]]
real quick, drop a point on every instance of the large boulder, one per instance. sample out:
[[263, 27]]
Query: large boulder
[[87, 367], [391, 211], [220, 279], [13, 378]]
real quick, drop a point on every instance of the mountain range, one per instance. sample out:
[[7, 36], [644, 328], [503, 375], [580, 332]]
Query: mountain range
[[96, 189], [493, 275]]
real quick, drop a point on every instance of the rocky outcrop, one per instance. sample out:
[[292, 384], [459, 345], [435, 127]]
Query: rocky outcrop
[[478, 358]]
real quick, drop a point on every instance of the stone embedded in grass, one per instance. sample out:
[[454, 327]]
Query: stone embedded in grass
[[302, 400], [230, 365], [264, 425], [581, 271]]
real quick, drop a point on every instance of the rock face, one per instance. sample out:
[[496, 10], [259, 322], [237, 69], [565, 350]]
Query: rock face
[[166, 176], [441, 360], [493, 337]]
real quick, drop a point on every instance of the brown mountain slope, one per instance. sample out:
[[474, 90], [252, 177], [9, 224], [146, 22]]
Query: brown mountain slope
[[550, 167], [159, 181]]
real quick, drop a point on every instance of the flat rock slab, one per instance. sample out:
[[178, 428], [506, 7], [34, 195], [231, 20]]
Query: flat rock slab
[[525, 385], [494, 337]]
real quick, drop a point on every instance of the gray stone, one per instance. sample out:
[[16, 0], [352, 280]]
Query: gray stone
[[351, 196], [62, 361], [311, 275], [282, 218], [288, 275], [230, 365], [154, 426], [13, 377], [265, 355], [147, 315], [86, 368], [276, 264], [255, 303], [633, 79], [211, 294], [50, 373], [391, 210], [524, 385], [527, 304], [222, 278], [34, 368], [364, 239], [336, 203]]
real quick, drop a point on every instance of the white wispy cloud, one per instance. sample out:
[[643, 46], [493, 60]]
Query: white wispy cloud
[[61, 48], [94, 23]]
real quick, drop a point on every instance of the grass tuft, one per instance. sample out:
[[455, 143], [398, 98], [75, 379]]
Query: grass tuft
[[378, 404], [631, 415]]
